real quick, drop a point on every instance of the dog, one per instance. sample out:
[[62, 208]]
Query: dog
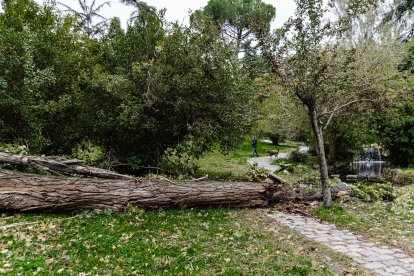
[[273, 153]]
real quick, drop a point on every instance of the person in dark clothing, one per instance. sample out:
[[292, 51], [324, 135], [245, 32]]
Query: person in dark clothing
[[254, 145]]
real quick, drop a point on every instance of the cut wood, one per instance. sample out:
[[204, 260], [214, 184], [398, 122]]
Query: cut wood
[[58, 164], [276, 179], [29, 193]]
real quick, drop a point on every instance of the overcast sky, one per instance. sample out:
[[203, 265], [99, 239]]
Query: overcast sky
[[177, 10]]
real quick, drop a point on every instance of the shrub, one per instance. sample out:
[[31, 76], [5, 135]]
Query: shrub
[[257, 174], [297, 156], [14, 149], [402, 177], [275, 137], [88, 152], [374, 192], [312, 178], [181, 159], [284, 164]]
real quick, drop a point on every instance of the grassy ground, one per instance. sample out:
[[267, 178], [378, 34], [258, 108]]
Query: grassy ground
[[234, 166], [393, 223], [172, 242]]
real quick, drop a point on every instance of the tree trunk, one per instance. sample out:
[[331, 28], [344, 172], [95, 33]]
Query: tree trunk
[[29, 193], [238, 41], [323, 165], [276, 179], [59, 165], [333, 147]]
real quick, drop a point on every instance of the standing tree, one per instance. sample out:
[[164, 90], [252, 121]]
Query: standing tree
[[401, 12], [241, 21], [88, 14], [141, 6], [327, 76]]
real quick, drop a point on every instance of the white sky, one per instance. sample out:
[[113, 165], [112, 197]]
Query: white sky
[[177, 10]]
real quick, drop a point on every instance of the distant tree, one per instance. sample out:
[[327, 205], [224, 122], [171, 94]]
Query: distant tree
[[326, 76], [89, 14], [396, 126], [397, 133], [401, 12], [241, 21], [141, 6]]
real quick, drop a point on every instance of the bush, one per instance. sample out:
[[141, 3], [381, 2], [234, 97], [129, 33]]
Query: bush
[[88, 152], [402, 177], [284, 164], [14, 149], [257, 174], [397, 134], [275, 137], [297, 156], [181, 163], [374, 192]]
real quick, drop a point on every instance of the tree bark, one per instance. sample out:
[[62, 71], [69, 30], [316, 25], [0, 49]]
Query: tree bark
[[59, 165], [276, 179], [35, 193], [323, 165]]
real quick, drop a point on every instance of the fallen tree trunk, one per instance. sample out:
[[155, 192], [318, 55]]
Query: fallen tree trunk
[[276, 179], [59, 165], [29, 193], [302, 194]]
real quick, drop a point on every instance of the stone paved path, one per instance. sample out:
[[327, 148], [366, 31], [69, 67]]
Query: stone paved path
[[264, 162], [374, 256]]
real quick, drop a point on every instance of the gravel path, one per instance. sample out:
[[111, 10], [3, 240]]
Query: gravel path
[[373, 256]]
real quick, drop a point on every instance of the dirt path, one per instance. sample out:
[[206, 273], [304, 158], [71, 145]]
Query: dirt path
[[371, 255]]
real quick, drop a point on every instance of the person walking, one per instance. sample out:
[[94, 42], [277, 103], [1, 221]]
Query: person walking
[[254, 145]]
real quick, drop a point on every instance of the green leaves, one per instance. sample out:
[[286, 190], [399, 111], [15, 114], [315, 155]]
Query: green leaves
[[241, 20], [397, 134], [133, 93]]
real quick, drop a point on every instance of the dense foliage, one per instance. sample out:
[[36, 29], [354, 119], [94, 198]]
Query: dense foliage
[[241, 21], [158, 90], [134, 93], [327, 75], [398, 134]]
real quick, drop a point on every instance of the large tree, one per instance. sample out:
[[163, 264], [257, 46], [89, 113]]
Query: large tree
[[133, 93], [171, 88], [93, 22], [43, 75], [241, 21], [402, 13], [327, 76]]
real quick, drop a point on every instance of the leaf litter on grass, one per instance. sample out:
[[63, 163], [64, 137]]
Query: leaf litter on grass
[[195, 242]]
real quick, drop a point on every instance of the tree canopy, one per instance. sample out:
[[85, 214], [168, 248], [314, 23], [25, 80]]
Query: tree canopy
[[134, 93], [328, 76], [241, 21]]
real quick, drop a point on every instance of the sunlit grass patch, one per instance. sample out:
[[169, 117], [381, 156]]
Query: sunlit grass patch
[[191, 242]]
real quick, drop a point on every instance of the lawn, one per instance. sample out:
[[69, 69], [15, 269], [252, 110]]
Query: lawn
[[166, 242], [234, 166]]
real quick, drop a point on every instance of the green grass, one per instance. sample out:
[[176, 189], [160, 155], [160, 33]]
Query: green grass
[[171, 242], [336, 214], [234, 166], [391, 222]]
